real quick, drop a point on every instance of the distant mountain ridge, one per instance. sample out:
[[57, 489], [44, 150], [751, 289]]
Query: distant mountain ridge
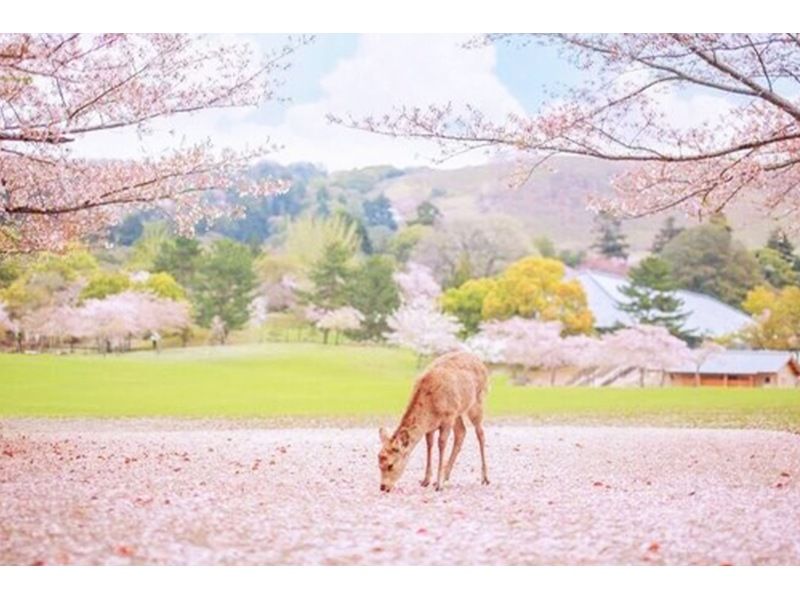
[[551, 203]]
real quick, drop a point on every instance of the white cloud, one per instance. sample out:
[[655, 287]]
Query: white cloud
[[386, 71]]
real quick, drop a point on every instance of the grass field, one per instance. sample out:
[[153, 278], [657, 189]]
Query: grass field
[[295, 380]]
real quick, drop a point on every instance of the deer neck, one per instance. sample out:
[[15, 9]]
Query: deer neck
[[416, 424]]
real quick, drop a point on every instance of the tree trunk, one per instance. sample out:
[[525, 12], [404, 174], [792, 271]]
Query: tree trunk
[[641, 377]]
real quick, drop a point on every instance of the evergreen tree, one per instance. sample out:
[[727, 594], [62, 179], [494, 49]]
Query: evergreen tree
[[427, 214], [225, 284], [364, 241], [777, 270], [330, 276], [373, 291], [666, 233], [378, 212], [779, 241], [651, 296], [707, 259], [180, 258], [610, 238], [323, 200]]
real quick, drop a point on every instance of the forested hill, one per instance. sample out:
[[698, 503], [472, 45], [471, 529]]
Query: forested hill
[[550, 203]]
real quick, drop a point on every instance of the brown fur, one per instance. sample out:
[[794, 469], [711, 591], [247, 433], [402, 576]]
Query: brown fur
[[454, 386]]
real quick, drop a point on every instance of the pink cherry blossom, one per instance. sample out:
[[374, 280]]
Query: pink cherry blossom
[[417, 284], [6, 323], [743, 142], [340, 320], [646, 348], [132, 314], [169, 491], [60, 88], [423, 329]]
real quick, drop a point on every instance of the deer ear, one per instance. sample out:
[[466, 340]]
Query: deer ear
[[384, 435], [404, 438]]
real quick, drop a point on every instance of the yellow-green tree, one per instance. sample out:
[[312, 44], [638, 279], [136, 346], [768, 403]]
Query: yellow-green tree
[[534, 287], [162, 285], [46, 276], [777, 315], [466, 302]]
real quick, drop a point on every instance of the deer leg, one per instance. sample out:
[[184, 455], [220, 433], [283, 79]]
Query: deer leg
[[479, 434], [444, 435], [459, 432], [428, 468]]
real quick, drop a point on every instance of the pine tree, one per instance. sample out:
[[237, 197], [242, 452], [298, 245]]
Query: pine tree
[[180, 258], [666, 233], [323, 201], [779, 241], [610, 238], [330, 276], [378, 212], [373, 292], [427, 214], [225, 283], [651, 297]]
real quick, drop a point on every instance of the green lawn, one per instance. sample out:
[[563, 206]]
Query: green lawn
[[292, 379]]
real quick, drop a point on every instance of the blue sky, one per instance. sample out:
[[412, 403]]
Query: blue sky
[[524, 70]]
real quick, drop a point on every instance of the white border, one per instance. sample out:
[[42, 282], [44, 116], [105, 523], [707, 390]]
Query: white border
[[390, 582], [398, 16]]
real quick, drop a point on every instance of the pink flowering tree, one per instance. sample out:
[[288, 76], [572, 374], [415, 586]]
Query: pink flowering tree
[[587, 353], [339, 320], [525, 344], [699, 355], [646, 348], [57, 90], [743, 138], [258, 311], [53, 324], [417, 284], [423, 329], [116, 319], [6, 323]]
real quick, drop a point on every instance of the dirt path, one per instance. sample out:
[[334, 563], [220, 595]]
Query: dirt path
[[94, 492]]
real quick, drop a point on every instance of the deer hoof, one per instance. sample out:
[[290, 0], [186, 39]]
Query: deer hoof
[[424, 483], [485, 481]]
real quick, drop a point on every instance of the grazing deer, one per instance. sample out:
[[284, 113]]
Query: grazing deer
[[453, 387]]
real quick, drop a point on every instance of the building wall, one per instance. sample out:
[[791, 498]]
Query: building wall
[[786, 377]]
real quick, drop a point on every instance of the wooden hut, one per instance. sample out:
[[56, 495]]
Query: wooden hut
[[741, 368]]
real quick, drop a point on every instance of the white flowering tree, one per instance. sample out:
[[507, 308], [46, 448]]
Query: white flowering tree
[[700, 355], [219, 331], [6, 323], [586, 353], [523, 344], [259, 313], [423, 329], [339, 320], [489, 348], [646, 348], [118, 318], [417, 285]]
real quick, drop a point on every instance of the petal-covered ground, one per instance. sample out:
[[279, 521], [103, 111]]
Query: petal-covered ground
[[133, 491]]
